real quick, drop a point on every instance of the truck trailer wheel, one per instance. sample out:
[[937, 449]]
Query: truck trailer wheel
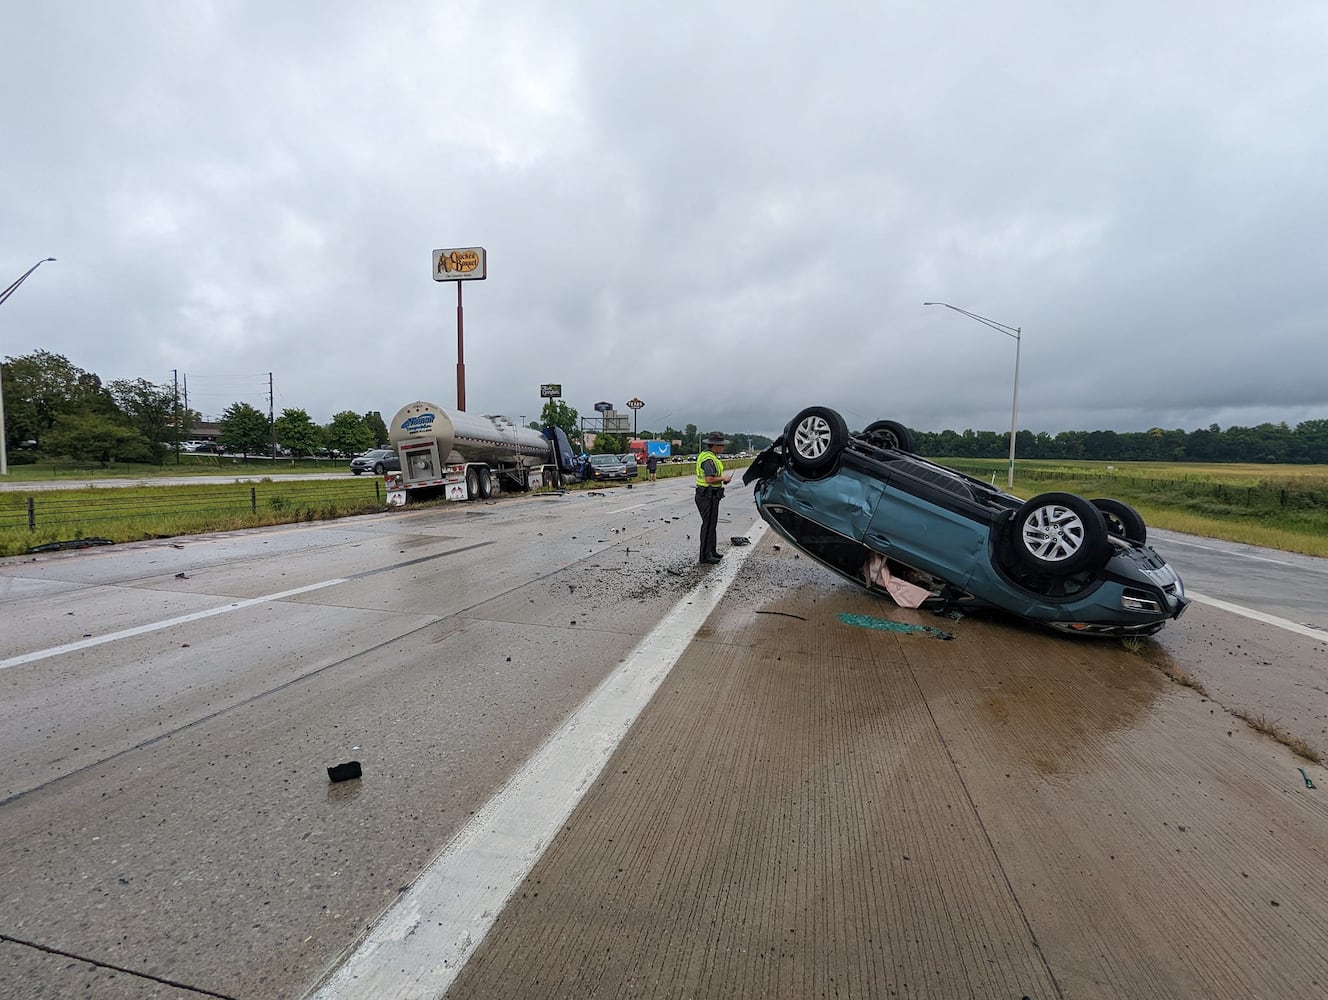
[[472, 484], [485, 484]]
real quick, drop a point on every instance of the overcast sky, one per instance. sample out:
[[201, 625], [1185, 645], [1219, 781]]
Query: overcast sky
[[729, 210]]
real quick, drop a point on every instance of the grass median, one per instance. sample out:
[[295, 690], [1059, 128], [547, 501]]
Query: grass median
[[97, 515]]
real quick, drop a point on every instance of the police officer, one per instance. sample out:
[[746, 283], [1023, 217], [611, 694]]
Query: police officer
[[710, 480]]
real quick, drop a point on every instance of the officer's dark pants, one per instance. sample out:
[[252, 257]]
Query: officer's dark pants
[[707, 502]]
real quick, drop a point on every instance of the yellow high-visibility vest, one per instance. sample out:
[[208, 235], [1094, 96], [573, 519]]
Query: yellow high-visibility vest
[[700, 475]]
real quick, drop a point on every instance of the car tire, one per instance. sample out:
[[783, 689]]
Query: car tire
[[1123, 521], [815, 437], [1060, 534], [889, 434], [378, 469], [356, 472], [472, 484]]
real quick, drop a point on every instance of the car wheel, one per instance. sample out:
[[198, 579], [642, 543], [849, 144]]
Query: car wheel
[[472, 484], [378, 469], [356, 472], [815, 438], [889, 434], [485, 485], [1123, 521], [1060, 534]]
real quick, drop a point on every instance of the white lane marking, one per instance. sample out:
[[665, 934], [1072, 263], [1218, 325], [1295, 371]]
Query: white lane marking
[[420, 944], [1170, 540], [1259, 616], [635, 506], [88, 643]]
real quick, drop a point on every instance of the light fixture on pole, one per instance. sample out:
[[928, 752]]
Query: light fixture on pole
[[1010, 331], [4, 297]]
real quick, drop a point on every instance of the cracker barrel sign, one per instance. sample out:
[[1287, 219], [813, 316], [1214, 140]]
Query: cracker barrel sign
[[465, 264]]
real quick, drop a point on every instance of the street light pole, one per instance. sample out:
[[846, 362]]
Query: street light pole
[[4, 297], [1010, 331]]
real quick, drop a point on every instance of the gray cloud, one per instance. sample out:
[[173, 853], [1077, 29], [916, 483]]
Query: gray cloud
[[730, 212]]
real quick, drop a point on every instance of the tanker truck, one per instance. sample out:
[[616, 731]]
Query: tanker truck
[[467, 457]]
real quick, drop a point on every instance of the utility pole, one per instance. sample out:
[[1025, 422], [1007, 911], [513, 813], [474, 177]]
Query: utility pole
[[4, 297], [175, 424], [272, 424]]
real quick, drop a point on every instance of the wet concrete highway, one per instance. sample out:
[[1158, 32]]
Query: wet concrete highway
[[803, 806]]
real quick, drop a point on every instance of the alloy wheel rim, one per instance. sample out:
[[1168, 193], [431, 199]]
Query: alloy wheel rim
[[811, 438], [1053, 533]]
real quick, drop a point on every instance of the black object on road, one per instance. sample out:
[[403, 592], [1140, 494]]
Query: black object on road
[[344, 772]]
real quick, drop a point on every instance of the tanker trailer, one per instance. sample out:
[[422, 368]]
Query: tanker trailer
[[468, 457]]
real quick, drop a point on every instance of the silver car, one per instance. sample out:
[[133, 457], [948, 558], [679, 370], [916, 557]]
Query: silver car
[[377, 461]]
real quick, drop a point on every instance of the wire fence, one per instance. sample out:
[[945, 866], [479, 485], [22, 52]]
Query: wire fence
[[131, 512]]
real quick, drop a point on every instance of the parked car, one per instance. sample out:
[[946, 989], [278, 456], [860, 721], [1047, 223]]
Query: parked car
[[605, 467], [377, 461], [629, 462], [868, 508]]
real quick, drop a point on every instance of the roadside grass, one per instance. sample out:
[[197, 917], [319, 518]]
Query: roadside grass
[[136, 513]]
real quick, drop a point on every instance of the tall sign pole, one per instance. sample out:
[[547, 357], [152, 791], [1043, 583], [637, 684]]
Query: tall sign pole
[[634, 405], [462, 264], [461, 355]]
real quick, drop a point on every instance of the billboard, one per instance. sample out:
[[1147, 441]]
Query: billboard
[[464, 264]]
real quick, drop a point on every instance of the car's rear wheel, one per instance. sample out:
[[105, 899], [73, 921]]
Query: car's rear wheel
[[1122, 520], [1060, 534], [889, 434], [815, 438]]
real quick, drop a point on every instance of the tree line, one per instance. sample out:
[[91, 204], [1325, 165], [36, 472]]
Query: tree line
[[1266, 444], [55, 409]]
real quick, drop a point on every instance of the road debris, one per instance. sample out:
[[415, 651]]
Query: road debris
[[885, 625], [75, 543], [344, 772]]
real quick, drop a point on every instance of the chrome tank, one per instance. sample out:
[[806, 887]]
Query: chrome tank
[[463, 437]]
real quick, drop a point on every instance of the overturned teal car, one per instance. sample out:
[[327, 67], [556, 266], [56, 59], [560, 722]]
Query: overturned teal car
[[870, 509]]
